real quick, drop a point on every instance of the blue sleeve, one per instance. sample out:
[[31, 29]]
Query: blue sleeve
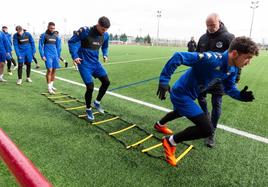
[[6, 44], [179, 58], [41, 45], [32, 43], [230, 86], [105, 45], [58, 45], [74, 42], [16, 45]]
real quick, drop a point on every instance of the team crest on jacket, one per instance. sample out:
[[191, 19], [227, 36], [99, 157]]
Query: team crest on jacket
[[219, 44]]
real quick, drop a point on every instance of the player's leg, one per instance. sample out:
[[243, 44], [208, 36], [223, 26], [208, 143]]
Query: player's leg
[[55, 66], [86, 74], [28, 72], [101, 73], [21, 61], [203, 102], [2, 66], [161, 125]]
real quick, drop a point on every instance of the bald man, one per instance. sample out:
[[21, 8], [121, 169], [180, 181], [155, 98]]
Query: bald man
[[216, 39]]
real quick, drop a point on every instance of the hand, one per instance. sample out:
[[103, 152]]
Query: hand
[[44, 58], [162, 91], [77, 60], [105, 59], [245, 95]]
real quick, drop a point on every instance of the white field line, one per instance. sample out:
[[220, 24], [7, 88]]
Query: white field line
[[138, 60], [114, 63], [226, 128], [71, 67]]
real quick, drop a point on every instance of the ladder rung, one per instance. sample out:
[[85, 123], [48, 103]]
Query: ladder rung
[[74, 108], [66, 101], [57, 97], [184, 153], [56, 93], [152, 147], [104, 121], [122, 130], [84, 115], [141, 141]]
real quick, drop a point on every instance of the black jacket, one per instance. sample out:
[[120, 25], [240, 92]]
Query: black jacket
[[191, 46], [217, 42]]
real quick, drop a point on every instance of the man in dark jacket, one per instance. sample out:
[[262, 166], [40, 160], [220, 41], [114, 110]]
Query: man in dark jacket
[[216, 39], [191, 45]]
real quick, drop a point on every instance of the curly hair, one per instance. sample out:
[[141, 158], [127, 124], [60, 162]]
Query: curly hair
[[244, 45]]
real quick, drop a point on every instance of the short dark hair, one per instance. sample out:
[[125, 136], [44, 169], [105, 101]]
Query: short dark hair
[[104, 22], [51, 24], [244, 45], [19, 28], [4, 27]]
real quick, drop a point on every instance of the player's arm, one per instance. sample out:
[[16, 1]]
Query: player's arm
[[6, 43], [104, 47], [74, 43], [179, 58], [16, 45], [58, 46], [231, 89], [32, 43], [41, 46]]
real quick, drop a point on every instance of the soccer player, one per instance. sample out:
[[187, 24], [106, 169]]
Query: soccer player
[[25, 49], [84, 48], [50, 49], [216, 39], [4, 52], [9, 58], [206, 69]]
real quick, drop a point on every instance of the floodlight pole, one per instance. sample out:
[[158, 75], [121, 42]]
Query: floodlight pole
[[158, 20], [254, 5]]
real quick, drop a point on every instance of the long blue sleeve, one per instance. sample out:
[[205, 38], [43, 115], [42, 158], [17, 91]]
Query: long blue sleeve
[[58, 46], [230, 86], [7, 44], [16, 45], [41, 45], [32, 43], [105, 46], [179, 58]]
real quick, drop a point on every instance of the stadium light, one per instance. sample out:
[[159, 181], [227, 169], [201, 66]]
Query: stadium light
[[254, 5], [158, 20]]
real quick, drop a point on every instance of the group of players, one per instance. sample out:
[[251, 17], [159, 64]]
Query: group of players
[[212, 72]]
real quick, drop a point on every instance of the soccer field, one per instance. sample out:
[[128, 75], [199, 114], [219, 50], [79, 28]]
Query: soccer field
[[71, 152]]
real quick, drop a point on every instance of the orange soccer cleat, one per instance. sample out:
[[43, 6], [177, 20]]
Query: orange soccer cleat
[[169, 152], [163, 129]]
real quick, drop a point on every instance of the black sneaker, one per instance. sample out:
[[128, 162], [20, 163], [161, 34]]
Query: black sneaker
[[210, 141]]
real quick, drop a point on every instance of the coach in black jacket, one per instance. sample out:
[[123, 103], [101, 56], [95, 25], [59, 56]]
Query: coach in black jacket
[[216, 39]]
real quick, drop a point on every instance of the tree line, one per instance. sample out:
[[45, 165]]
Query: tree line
[[124, 38]]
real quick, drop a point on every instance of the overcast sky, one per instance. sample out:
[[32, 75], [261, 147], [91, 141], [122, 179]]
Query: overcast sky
[[180, 19]]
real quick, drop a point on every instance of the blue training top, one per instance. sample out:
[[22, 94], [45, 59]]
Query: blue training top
[[86, 42], [206, 69]]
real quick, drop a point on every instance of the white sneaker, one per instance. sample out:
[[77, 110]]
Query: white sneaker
[[2, 80], [51, 91], [15, 67], [54, 89], [29, 80], [19, 81], [10, 73]]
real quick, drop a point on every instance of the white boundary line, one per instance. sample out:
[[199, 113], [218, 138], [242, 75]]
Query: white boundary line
[[138, 60], [226, 128]]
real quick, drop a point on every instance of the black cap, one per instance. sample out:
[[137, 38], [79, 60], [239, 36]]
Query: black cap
[[104, 22]]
